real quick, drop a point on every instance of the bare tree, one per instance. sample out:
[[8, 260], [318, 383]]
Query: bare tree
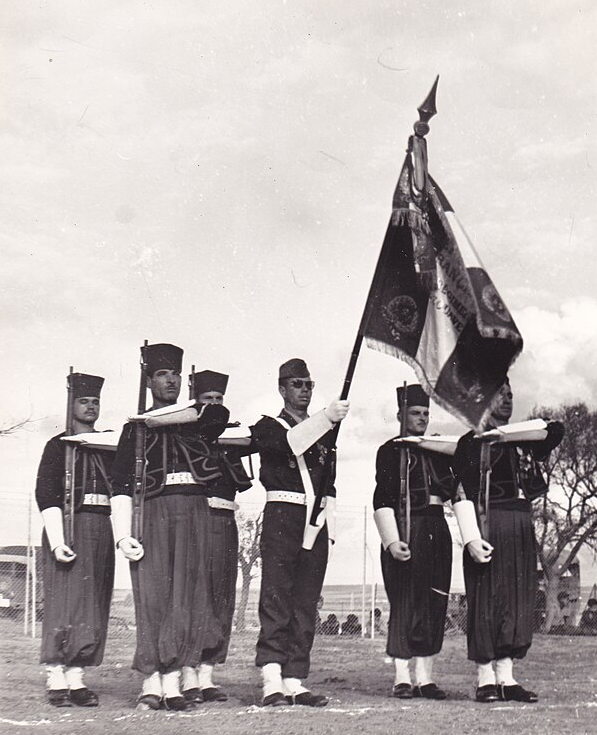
[[249, 560], [13, 428], [566, 518]]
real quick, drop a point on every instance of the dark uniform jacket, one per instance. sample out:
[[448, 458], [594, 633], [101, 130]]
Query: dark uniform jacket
[[181, 448], [92, 470], [429, 474], [513, 466], [279, 469]]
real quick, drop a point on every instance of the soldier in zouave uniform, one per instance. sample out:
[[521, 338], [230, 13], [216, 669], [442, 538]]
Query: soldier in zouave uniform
[[500, 571], [416, 574], [169, 568], [209, 387], [78, 581], [292, 449]]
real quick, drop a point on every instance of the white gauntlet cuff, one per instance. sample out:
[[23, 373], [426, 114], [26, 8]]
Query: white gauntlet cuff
[[122, 516], [464, 510], [52, 518], [304, 435], [385, 520]]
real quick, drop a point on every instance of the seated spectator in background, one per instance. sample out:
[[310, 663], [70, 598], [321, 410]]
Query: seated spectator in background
[[378, 624], [561, 625], [318, 621], [351, 626], [330, 626], [588, 620]]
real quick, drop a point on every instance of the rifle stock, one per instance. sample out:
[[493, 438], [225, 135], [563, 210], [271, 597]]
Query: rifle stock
[[140, 434], [68, 515], [192, 383], [404, 492], [484, 482]]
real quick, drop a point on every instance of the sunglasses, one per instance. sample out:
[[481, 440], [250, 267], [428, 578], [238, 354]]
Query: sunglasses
[[296, 383]]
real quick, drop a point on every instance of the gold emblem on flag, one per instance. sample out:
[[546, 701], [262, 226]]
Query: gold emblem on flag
[[494, 303], [402, 316]]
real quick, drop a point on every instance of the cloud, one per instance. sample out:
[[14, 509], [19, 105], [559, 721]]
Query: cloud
[[221, 177], [560, 355]]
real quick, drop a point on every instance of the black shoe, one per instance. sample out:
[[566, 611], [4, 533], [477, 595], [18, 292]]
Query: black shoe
[[429, 691], [487, 693], [149, 701], [273, 700], [402, 691], [84, 697], [176, 704], [307, 699], [193, 695], [59, 698], [213, 694], [516, 693]]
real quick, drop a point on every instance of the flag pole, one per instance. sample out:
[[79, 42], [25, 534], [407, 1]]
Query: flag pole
[[426, 111]]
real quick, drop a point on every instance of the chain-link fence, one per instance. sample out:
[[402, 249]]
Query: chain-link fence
[[353, 602]]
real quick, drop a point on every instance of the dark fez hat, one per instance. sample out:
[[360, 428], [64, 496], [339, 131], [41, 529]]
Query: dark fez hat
[[162, 357], [295, 368], [85, 386], [208, 380], [415, 395]]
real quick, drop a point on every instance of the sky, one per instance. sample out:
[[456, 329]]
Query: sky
[[219, 176]]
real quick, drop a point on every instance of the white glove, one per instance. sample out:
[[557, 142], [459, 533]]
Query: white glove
[[480, 550], [399, 550], [64, 553], [337, 411], [131, 548]]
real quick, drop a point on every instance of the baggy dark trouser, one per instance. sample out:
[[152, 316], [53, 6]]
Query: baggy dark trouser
[[77, 595], [418, 589], [173, 609], [501, 594], [291, 584], [223, 572]]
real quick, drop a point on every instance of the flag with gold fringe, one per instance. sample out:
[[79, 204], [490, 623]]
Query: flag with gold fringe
[[433, 304]]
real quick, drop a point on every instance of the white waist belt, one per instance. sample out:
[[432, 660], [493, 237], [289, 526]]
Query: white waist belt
[[95, 499], [435, 500], [180, 478], [286, 496], [222, 504]]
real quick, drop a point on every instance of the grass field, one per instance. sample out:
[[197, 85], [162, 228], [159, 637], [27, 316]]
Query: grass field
[[352, 671]]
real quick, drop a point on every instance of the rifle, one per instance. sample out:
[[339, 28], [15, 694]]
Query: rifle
[[484, 482], [192, 383], [404, 494], [140, 462], [68, 514]]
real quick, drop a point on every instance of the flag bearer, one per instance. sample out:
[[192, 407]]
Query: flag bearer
[[293, 448]]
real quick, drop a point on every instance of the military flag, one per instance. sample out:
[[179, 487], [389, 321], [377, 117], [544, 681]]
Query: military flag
[[433, 304]]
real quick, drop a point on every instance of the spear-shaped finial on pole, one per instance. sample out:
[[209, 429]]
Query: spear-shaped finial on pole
[[426, 111]]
